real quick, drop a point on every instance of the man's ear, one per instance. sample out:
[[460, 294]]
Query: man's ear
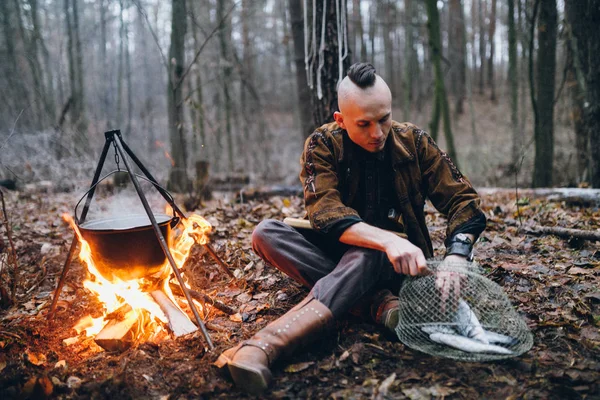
[[339, 118]]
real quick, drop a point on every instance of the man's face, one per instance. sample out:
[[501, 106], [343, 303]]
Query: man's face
[[366, 114]]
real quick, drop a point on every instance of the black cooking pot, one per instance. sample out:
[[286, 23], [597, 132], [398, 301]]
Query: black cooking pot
[[126, 247]]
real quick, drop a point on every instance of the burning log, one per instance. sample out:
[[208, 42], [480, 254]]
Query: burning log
[[179, 323], [119, 335]]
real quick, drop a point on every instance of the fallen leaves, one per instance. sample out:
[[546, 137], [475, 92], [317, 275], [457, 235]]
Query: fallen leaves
[[554, 286], [37, 359], [294, 368]]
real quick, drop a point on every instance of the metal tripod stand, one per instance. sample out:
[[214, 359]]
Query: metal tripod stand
[[115, 139]]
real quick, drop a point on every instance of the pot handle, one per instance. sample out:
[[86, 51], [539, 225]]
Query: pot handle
[[162, 190], [174, 221]]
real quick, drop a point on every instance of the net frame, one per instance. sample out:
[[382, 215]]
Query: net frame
[[423, 310]]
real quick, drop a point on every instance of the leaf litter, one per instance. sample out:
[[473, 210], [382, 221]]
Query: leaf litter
[[552, 282]]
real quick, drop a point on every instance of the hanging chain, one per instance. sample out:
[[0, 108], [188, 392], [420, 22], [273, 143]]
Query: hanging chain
[[116, 156]]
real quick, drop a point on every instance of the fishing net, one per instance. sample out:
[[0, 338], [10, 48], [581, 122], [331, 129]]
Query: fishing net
[[458, 313]]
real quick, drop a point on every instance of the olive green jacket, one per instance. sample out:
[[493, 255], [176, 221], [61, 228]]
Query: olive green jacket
[[421, 171]]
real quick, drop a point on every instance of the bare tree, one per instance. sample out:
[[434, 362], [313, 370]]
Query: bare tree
[[543, 104], [226, 67], [359, 33], [481, 20], [492, 44], [457, 54], [304, 99], [513, 78], [440, 104], [178, 177], [327, 61], [583, 17]]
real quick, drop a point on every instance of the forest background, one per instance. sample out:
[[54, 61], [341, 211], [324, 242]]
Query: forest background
[[240, 85]]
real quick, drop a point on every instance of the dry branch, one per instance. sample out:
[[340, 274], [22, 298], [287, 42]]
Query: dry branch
[[204, 299]]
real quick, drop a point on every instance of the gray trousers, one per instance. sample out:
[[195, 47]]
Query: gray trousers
[[338, 275]]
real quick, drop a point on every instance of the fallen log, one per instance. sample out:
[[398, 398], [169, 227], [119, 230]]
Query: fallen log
[[266, 192], [179, 322], [574, 197], [565, 233]]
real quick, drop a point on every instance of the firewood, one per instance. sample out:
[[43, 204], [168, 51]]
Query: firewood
[[119, 335], [179, 323]]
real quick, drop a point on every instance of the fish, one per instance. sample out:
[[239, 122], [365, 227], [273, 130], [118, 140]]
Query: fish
[[499, 338], [438, 329], [467, 344], [492, 337], [467, 323]]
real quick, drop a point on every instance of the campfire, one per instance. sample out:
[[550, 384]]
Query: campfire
[[130, 260], [144, 307]]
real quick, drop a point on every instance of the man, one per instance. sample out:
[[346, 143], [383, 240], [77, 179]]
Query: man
[[365, 178]]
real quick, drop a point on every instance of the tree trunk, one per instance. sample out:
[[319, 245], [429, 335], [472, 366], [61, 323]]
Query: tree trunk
[[104, 60], [373, 28], [441, 100], [120, 68], [457, 54], [81, 119], [387, 17], [72, 66], [583, 17], [491, 37], [199, 136], [359, 32], [304, 98], [513, 79], [481, 19], [544, 116], [178, 177], [409, 58], [46, 113], [524, 41], [577, 98], [224, 44], [326, 62]]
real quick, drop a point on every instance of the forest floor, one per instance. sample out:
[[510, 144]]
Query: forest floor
[[553, 284]]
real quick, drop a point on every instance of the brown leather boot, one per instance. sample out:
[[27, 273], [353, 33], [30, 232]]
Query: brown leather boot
[[249, 361], [384, 309]]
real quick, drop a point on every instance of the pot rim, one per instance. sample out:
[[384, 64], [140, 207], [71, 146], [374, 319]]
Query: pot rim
[[135, 220]]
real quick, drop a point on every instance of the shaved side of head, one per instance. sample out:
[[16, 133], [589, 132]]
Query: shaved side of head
[[350, 92]]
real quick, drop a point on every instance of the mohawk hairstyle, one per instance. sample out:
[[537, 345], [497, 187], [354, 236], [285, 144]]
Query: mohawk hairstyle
[[362, 74]]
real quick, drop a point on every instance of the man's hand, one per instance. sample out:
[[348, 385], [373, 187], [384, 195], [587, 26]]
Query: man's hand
[[406, 258], [449, 281]]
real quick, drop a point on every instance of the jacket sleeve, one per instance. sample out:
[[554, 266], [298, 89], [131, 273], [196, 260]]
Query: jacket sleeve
[[449, 190], [319, 178]]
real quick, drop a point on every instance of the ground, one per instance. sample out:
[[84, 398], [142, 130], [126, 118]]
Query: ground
[[552, 282]]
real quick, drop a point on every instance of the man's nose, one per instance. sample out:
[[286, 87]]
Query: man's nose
[[377, 132]]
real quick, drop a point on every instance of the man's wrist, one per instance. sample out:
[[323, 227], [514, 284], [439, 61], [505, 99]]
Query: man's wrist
[[460, 245]]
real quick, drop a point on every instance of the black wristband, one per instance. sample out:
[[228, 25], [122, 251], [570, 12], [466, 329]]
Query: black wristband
[[460, 245], [460, 249]]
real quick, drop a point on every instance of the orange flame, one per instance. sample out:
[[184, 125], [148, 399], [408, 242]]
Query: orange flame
[[114, 294], [160, 144]]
